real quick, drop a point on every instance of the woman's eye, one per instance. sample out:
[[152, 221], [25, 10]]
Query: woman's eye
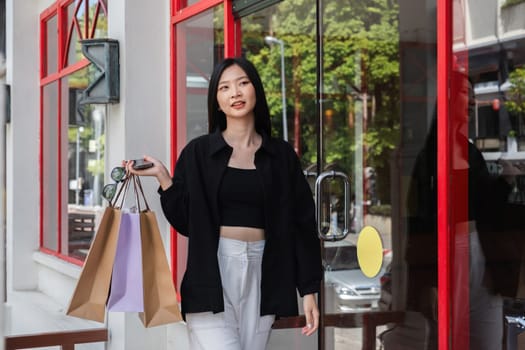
[[245, 82], [223, 88]]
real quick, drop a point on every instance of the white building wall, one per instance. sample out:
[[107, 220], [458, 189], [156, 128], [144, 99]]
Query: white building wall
[[139, 125], [512, 21], [482, 20], [488, 22], [22, 167]]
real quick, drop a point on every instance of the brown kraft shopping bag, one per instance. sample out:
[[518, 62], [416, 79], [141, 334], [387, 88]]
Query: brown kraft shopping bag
[[160, 298], [92, 289]]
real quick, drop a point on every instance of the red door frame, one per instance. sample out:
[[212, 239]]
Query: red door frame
[[444, 55], [453, 233]]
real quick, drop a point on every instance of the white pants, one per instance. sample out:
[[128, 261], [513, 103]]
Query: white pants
[[240, 326]]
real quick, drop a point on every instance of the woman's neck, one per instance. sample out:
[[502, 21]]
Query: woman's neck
[[241, 135]]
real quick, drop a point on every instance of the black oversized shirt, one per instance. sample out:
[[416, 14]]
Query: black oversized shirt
[[291, 258]]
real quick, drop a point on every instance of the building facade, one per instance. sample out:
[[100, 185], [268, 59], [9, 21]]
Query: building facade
[[399, 110]]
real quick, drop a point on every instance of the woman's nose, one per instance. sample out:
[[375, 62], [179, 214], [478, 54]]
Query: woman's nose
[[236, 92]]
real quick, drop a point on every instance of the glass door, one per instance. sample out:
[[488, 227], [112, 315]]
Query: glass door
[[331, 71], [281, 41], [351, 85], [358, 100]]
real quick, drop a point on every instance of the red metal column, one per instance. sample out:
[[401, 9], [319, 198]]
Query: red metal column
[[444, 59], [229, 32], [173, 131]]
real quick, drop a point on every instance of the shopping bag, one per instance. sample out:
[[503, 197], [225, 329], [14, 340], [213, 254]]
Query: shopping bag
[[160, 298], [91, 292], [126, 281]]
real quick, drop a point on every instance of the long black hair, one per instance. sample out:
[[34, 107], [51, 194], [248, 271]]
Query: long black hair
[[217, 118]]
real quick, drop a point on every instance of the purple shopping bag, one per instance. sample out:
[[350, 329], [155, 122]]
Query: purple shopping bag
[[126, 293]]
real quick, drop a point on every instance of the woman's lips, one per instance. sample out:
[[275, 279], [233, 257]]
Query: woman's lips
[[238, 104]]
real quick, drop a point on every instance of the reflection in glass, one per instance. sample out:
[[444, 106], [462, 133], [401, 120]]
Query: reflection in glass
[[50, 176], [97, 27], [351, 129], [203, 42], [86, 148]]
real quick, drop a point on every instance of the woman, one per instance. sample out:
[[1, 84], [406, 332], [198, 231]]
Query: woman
[[241, 198]]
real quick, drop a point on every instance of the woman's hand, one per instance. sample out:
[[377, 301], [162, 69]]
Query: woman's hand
[[158, 170], [311, 312]]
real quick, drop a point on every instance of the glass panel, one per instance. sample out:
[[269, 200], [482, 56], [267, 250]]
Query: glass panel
[[410, 280], [101, 28], [360, 128], [52, 45], [50, 166], [287, 28], [377, 69], [488, 109], [84, 170], [92, 6], [200, 44], [75, 51], [188, 2], [81, 18], [96, 15]]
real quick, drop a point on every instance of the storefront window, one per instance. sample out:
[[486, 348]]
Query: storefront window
[[358, 89], [73, 133], [200, 46]]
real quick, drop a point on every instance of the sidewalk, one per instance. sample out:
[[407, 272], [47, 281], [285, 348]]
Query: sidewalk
[[32, 312]]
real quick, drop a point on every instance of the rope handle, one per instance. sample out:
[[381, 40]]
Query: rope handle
[[120, 198]]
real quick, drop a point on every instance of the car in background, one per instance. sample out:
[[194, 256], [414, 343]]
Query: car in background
[[347, 289]]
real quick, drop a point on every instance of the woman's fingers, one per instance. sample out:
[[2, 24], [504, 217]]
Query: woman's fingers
[[311, 313]]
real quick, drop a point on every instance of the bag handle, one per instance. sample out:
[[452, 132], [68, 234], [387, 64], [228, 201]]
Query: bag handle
[[120, 198], [138, 185], [131, 180]]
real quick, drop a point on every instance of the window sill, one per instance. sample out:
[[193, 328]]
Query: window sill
[[59, 265]]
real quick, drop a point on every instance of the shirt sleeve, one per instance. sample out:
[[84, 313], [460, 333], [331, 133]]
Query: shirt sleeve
[[307, 244], [174, 200]]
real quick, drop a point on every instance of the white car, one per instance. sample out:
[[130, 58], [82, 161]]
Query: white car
[[347, 289]]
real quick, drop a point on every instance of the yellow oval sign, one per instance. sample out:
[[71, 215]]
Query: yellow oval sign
[[369, 251]]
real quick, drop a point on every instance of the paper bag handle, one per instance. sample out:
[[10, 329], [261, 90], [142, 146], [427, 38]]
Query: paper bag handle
[[124, 188]]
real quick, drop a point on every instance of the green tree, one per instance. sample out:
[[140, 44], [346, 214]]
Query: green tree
[[516, 97], [360, 58]]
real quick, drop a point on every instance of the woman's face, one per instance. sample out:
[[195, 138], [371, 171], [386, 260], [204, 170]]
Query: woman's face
[[235, 93]]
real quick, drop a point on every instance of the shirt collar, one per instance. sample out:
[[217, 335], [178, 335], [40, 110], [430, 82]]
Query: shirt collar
[[217, 143]]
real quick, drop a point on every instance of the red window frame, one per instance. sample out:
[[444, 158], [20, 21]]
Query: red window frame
[[64, 37]]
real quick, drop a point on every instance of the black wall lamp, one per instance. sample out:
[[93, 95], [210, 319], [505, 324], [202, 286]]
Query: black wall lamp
[[105, 87]]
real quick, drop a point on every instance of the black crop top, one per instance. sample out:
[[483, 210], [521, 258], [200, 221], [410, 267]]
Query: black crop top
[[241, 198]]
